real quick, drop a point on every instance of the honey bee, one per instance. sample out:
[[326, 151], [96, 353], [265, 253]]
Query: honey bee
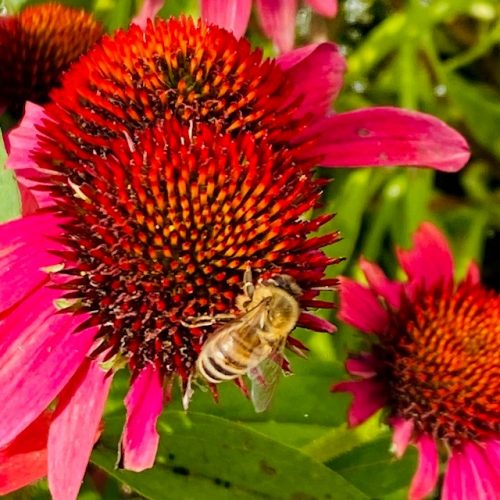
[[253, 342]]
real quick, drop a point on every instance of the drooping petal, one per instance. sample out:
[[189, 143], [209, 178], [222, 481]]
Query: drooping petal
[[429, 262], [22, 141], [390, 290], [75, 427], [29, 205], [24, 460], [315, 323], [144, 403], [37, 344], [483, 478], [277, 18], [369, 395], [232, 16], [364, 365], [387, 136], [148, 10], [326, 8], [316, 73], [23, 255], [403, 430], [454, 478], [360, 308], [426, 476]]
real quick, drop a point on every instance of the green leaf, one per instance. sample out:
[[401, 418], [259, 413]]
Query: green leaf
[[375, 471], [480, 109], [202, 456], [10, 199]]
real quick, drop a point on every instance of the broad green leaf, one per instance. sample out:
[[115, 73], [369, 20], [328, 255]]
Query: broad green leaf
[[10, 199], [375, 471], [202, 456]]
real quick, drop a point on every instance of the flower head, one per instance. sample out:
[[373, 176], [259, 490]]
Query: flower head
[[170, 159], [38, 45], [434, 366]]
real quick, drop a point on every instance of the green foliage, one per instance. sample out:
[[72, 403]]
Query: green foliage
[[10, 200]]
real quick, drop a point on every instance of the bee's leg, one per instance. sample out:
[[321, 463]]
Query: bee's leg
[[242, 386], [187, 390], [206, 320], [248, 286]]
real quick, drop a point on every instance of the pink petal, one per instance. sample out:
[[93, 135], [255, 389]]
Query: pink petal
[[23, 254], [233, 15], [148, 10], [316, 73], [484, 477], [454, 487], [429, 263], [28, 200], [390, 290], [473, 276], [389, 136], [277, 18], [363, 365], [425, 479], [38, 355], [73, 432], [21, 142], [326, 8], [24, 460], [369, 395], [315, 323], [360, 308], [144, 403], [403, 431]]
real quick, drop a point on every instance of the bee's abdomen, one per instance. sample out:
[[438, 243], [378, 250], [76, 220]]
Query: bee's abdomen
[[216, 367]]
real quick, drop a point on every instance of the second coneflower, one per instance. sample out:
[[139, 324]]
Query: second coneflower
[[435, 367], [37, 46], [170, 160]]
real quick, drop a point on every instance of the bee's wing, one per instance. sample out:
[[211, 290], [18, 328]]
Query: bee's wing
[[264, 379]]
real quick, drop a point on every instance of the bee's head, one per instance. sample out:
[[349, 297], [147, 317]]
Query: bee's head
[[286, 283]]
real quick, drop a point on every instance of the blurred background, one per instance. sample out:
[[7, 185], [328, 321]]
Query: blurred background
[[437, 56]]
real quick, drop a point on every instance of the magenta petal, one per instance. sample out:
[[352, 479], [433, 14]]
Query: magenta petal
[[148, 10], [363, 365], [23, 255], [326, 8], [473, 276], [38, 355], [482, 476], [232, 15], [360, 308], [454, 478], [144, 403], [316, 72], [403, 431], [429, 262], [369, 395], [390, 290], [425, 479], [315, 323], [22, 141], [24, 460], [277, 18], [73, 432], [389, 136]]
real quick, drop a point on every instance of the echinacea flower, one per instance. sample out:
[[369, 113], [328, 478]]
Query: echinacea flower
[[277, 17], [37, 46], [170, 159], [435, 366]]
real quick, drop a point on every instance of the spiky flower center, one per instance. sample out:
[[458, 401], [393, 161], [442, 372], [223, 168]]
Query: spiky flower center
[[172, 175], [443, 352], [37, 46]]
